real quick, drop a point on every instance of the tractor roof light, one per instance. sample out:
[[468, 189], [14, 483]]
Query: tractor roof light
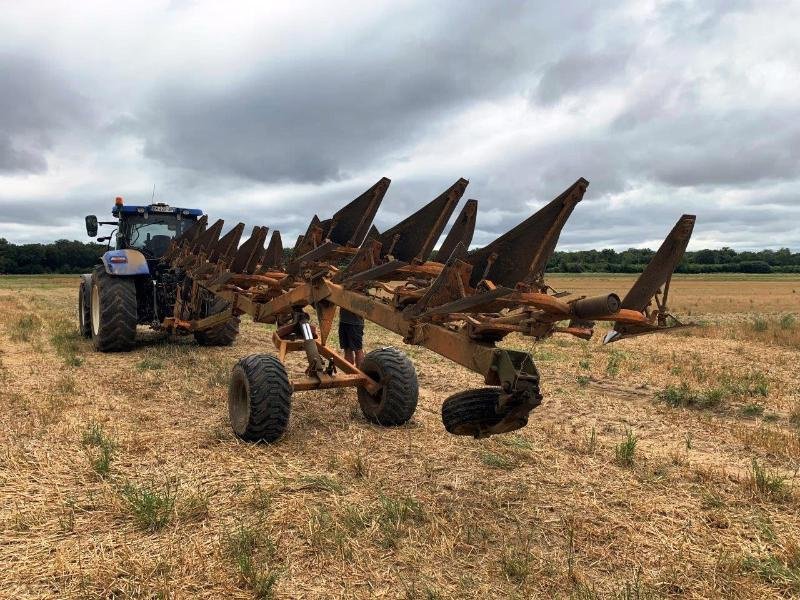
[[118, 201]]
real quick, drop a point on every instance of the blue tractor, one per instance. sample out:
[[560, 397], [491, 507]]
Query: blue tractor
[[133, 286]]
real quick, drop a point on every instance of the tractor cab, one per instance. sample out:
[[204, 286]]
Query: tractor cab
[[148, 229]]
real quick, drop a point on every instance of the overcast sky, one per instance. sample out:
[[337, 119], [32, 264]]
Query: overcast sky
[[273, 112]]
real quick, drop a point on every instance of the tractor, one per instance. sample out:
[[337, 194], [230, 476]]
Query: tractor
[[133, 286]]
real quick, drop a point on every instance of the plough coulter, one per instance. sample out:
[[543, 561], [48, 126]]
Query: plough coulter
[[460, 304]]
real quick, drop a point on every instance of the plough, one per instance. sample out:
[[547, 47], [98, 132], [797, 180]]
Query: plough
[[455, 302]]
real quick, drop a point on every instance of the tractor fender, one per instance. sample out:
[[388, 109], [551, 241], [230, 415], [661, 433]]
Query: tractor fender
[[125, 262]]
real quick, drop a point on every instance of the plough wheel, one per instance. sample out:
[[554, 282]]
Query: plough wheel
[[259, 398], [396, 401], [472, 411], [223, 334]]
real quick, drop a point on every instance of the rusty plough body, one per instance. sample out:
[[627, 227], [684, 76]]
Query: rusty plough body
[[461, 306]]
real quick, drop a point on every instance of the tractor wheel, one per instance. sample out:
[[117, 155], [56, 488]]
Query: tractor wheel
[[259, 398], [396, 401], [472, 411], [84, 309], [223, 334], [113, 312]]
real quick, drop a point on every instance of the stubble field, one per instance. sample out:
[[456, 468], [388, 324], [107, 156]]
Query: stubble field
[[659, 466]]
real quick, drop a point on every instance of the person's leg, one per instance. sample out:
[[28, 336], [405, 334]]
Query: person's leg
[[357, 343], [344, 342]]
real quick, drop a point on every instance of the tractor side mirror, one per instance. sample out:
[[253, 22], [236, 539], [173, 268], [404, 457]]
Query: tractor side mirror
[[91, 225]]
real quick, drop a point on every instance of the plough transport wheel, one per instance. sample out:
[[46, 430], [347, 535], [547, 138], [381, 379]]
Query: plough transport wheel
[[396, 401], [259, 398], [472, 411], [223, 334]]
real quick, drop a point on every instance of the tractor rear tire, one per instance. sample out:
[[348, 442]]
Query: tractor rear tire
[[84, 309], [223, 334], [259, 399], [471, 411], [396, 401], [113, 312]]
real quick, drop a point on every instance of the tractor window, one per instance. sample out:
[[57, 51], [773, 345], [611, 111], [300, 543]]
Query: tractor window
[[152, 235]]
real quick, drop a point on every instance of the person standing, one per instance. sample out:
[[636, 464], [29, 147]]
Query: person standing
[[351, 337]]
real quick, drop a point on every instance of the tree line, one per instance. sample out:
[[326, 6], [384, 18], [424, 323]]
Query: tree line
[[64, 256]]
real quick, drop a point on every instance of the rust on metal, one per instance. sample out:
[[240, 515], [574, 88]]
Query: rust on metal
[[460, 233], [413, 238], [461, 306]]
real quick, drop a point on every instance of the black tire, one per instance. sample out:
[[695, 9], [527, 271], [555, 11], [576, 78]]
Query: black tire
[[472, 411], [259, 398], [84, 309], [223, 334], [396, 401], [113, 312]]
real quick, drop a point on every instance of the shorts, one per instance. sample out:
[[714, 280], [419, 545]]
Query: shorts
[[351, 336]]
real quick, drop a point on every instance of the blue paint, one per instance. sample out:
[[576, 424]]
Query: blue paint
[[153, 209], [135, 263]]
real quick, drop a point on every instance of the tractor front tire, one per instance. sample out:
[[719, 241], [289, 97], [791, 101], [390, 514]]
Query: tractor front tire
[[113, 312], [84, 308], [259, 398], [472, 411], [223, 334], [396, 401]]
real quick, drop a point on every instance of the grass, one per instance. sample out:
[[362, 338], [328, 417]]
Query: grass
[[26, 328], [516, 441], [516, 564], [66, 341], [322, 483], [251, 552], [393, 513], [615, 359], [752, 410], [152, 507], [780, 572], [149, 364], [684, 396], [95, 437], [625, 451], [768, 484], [497, 461], [591, 442], [749, 385]]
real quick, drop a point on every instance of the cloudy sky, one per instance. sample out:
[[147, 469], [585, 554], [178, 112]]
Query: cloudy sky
[[271, 112]]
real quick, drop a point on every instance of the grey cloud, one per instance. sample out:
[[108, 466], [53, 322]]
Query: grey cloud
[[35, 104], [582, 71], [343, 109]]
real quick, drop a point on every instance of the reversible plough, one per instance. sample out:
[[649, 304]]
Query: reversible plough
[[459, 305]]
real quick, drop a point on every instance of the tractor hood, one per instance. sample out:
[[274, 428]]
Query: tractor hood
[[125, 262]]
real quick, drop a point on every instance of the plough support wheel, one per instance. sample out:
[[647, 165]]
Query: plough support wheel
[[259, 398], [396, 401], [472, 412]]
